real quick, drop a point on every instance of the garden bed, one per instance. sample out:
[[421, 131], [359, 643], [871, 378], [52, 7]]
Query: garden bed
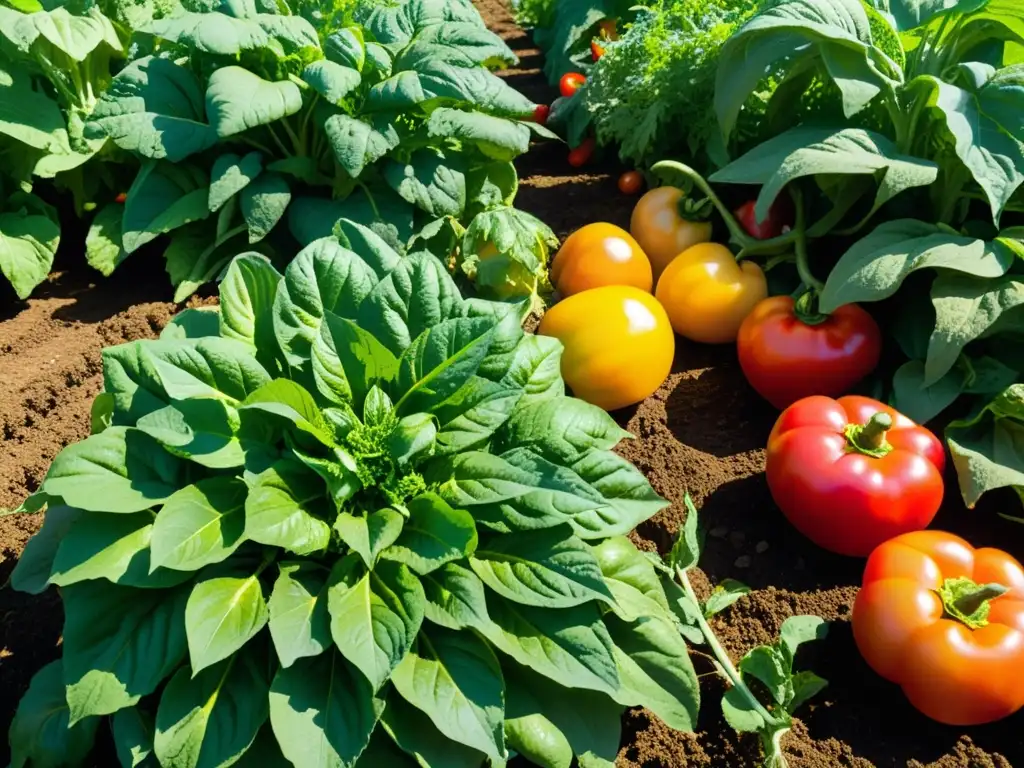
[[702, 432]]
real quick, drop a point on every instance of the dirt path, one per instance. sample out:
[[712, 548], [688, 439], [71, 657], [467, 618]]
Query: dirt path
[[703, 431]]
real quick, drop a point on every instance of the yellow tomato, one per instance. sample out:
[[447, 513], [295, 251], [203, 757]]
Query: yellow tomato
[[618, 344], [661, 231], [599, 255], [707, 293]]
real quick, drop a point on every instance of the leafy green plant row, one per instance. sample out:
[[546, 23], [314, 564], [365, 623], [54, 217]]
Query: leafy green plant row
[[245, 124], [918, 187], [349, 517]]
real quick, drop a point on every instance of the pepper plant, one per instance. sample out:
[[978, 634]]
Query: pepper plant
[[915, 180], [349, 518]]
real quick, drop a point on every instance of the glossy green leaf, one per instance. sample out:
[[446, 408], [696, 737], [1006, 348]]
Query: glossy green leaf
[[223, 614], [40, 733], [200, 525], [434, 534], [237, 100], [286, 508], [299, 624]]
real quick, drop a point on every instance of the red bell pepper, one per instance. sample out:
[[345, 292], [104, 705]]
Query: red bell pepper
[[946, 622], [852, 473]]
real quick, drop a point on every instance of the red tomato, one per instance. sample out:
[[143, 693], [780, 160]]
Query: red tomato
[[779, 220], [581, 155], [540, 114], [631, 182], [570, 83], [852, 473], [121, 197], [945, 621], [596, 50], [786, 359]]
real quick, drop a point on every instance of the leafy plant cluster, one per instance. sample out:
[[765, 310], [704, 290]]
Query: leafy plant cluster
[[255, 123], [918, 185], [348, 518]]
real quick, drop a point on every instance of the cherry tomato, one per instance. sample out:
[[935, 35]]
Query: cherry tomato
[[581, 155], [618, 344], [707, 293], [660, 229], [598, 255], [779, 220], [541, 113], [121, 197], [596, 50], [945, 621], [785, 359], [570, 83], [631, 182], [852, 473]]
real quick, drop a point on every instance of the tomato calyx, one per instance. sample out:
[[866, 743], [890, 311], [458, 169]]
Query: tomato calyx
[[969, 602], [869, 439], [806, 308]]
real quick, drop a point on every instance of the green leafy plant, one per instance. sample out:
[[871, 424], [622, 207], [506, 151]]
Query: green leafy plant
[[248, 118], [769, 714], [917, 182], [53, 66], [351, 517]]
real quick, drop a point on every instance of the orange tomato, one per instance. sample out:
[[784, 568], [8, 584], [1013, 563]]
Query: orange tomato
[[708, 294], [618, 344], [598, 255], [661, 231]]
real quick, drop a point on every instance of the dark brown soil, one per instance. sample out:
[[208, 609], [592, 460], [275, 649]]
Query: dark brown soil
[[702, 432]]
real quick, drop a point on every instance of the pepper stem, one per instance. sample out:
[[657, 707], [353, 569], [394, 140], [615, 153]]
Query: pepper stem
[[869, 438], [968, 602]]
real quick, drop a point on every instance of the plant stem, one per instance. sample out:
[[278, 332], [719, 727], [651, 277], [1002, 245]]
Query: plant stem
[[803, 266], [277, 140], [727, 667]]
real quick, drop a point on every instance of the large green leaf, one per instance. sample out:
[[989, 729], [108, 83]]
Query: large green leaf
[[369, 534], [163, 197], [455, 679], [417, 295], [433, 182], [103, 249], [631, 579], [549, 568], [299, 624], [112, 547], [875, 267], [375, 615], [988, 446], [222, 615], [331, 80], [812, 151], [357, 144], [561, 429], [31, 574], [454, 597], [237, 100], [434, 534], [837, 31], [247, 295], [132, 730], [211, 718], [264, 203], [347, 361], [224, 35], [28, 243], [471, 39], [323, 711], [655, 669], [911, 14], [200, 525], [209, 432], [231, 174], [118, 470], [28, 115], [40, 733], [286, 508], [414, 733], [440, 361], [119, 644], [324, 277], [496, 137], [983, 120], [154, 107], [437, 83], [568, 645]]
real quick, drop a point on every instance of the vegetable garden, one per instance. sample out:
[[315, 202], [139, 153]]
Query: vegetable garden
[[534, 383]]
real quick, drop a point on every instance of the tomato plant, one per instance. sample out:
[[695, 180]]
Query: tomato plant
[[786, 355], [707, 293], [631, 182], [852, 473], [658, 223], [598, 255], [945, 621], [570, 83], [618, 343]]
